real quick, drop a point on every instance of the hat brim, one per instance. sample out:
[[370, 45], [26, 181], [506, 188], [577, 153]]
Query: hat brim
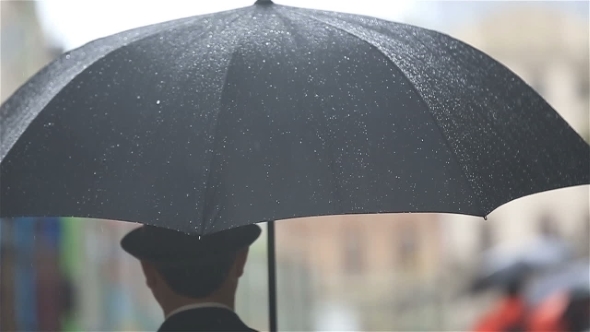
[[163, 246]]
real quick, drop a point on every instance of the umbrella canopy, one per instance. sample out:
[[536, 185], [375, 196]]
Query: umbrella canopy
[[272, 112]]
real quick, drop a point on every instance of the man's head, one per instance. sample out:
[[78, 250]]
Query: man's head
[[182, 269]]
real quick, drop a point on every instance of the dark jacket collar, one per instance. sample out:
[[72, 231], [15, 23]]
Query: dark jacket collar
[[205, 319]]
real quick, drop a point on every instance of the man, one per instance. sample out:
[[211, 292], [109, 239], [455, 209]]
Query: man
[[194, 279]]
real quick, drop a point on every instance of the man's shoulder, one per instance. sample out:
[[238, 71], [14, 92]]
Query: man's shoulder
[[205, 319]]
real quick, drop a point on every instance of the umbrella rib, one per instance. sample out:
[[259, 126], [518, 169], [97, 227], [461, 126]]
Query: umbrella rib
[[411, 84], [204, 224], [336, 180]]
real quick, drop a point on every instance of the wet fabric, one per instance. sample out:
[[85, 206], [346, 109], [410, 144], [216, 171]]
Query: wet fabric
[[205, 319], [272, 112]]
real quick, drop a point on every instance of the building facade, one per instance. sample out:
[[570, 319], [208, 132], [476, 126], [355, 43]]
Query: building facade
[[24, 48], [548, 48]]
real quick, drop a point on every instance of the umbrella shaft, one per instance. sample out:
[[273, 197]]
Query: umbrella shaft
[[272, 278]]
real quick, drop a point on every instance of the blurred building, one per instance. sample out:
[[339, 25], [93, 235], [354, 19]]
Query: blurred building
[[406, 270], [29, 300], [24, 48], [549, 49], [380, 267]]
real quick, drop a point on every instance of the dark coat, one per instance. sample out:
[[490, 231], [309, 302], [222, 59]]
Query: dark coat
[[205, 319]]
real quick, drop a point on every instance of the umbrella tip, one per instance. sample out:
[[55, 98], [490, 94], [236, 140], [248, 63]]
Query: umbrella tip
[[263, 2]]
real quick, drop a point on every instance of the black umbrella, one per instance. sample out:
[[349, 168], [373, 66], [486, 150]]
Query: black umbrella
[[271, 112]]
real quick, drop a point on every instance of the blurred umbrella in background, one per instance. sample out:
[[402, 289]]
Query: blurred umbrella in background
[[271, 112], [501, 276], [501, 268], [509, 273], [570, 277], [547, 253], [548, 249]]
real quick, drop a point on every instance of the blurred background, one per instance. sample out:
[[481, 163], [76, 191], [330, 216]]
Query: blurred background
[[403, 272]]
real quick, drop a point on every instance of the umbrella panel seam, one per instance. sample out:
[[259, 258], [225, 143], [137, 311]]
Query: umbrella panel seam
[[413, 87]]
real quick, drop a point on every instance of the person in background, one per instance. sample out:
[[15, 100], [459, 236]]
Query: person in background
[[564, 311], [193, 278], [510, 314]]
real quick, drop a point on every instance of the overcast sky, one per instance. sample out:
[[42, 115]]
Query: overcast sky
[[72, 23]]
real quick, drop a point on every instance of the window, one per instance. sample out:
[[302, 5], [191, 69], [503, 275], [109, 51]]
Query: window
[[485, 236], [548, 226], [537, 82], [584, 87], [353, 251], [407, 242]]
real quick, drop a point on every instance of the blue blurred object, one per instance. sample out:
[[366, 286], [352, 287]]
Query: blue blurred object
[[49, 228], [507, 268], [25, 306], [500, 269], [548, 251], [574, 276]]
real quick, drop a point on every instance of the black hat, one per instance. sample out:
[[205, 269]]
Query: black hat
[[165, 247]]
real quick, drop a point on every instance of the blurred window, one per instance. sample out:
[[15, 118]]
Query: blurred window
[[407, 241], [538, 83], [353, 251], [485, 236], [584, 87]]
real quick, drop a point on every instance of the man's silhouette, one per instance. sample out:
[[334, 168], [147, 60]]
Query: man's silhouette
[[194, 279]]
